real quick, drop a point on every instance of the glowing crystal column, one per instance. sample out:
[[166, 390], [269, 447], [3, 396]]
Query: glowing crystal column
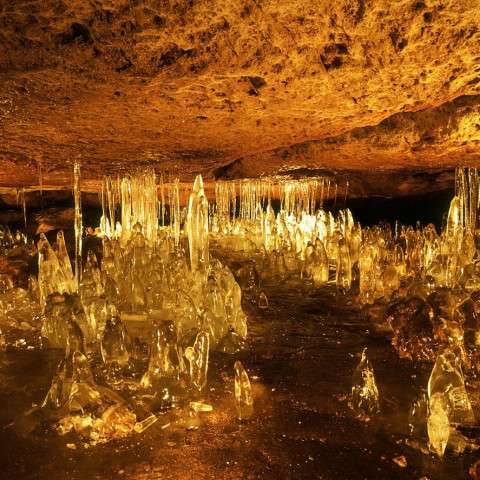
[[243, 392], [197, 226], [175, 211], [78, 221]]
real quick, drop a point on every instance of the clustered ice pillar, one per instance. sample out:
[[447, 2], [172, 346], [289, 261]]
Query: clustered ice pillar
[[197, 226]]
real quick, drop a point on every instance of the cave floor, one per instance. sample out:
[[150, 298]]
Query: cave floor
[[300, 356]]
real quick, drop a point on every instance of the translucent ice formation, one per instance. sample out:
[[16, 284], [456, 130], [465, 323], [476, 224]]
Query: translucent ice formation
[[77, 196], [365, 398], [449, 404], [158, 285], [197, 226], [165, 363], [197, 356], [438, 425], [54, 273], [446, 381], [243, 392], [114, 344]]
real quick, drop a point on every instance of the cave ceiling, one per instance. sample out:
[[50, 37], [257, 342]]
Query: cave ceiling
[[235, 89]]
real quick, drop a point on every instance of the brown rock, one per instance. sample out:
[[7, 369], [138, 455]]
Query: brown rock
[[232, 89]]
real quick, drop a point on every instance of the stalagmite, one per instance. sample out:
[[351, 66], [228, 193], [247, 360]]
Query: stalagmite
[[54, 274], [198, 358], [175, 211], [165, 361], [114, 344], [438, 425], [262, 300], [447, 380], [319, 268], [344, 266], [365, 397], [64, 261], [197, 226], [243, 393]]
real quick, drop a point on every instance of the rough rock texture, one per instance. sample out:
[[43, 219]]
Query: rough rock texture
[[238, 89]]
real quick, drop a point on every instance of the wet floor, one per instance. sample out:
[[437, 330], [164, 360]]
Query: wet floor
[[300, 355]]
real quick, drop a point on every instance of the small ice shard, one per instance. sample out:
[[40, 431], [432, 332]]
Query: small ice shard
[[198, 358], [140, 427], [401, 461], [158, 363], [113, 346], [366, 265], [201, 407], [262, 301], [73, 387], [111, 290], [191, 420], [365, 398], [137, 296], [84, 394], [243, 392], [33, 289], [92, 271], [447, 380], [438, 425]]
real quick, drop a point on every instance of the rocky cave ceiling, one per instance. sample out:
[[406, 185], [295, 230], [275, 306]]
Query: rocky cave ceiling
[[373, 89]]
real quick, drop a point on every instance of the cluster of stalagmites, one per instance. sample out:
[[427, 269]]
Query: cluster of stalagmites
[[420, 285], [137, 329], [146, 316], [147, 284], [19, 307]]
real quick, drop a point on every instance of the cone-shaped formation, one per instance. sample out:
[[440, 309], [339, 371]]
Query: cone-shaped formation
[[243, 392], [64, 261], [165, 363], [262, 300], [365, 397], [447, 380], [114, 344], [438, 425], [54, 273], [449, 404], [198, 358], [197, 226]]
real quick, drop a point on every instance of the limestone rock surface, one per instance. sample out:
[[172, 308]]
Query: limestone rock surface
[[236, 89]]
